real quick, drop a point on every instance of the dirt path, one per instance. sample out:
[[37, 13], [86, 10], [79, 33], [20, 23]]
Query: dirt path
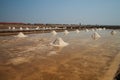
[[110, 74]]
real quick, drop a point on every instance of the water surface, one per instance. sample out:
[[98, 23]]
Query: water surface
[[33, 58]]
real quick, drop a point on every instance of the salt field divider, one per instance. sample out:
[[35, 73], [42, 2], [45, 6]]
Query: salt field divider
[[15, 31], [111, 73]]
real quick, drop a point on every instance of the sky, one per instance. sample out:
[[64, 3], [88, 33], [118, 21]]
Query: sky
[[101, 12]]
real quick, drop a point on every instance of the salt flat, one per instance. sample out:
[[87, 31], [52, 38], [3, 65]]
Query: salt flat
[[33, 58]]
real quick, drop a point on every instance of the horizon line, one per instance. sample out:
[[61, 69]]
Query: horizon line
[[54, 23]]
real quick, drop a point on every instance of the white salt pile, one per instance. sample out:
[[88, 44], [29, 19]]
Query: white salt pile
[[95, 36], [99, 29], [13, 28], [21, 35], [37, 28], [58, 42], [113, 32], [21, 28], [93, 29], [86, 30], [104, 28], [66, 32], [77, 31], [54, 32], [9, 27], [27, 28]]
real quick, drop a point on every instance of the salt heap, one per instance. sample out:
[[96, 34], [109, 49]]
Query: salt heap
[[59, 43], [37, 28], [113, 32], [27, 28], [99, 29], [66, 32], [93, 29], [95, 36], [13, 28], [21, 35], [9, 27], [104, 28], [54, 32], [21, 28], [86, 30], [77, 31]]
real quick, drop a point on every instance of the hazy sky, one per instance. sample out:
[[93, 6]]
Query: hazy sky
[[106, 12]]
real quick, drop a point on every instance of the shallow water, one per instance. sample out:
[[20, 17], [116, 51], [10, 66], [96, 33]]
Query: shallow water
[[33, 58]]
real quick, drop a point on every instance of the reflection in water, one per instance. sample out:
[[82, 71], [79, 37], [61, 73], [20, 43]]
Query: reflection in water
[[33, 58], [55, 51]]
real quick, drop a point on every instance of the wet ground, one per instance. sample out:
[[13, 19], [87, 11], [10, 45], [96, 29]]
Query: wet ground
[[33, 58]]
